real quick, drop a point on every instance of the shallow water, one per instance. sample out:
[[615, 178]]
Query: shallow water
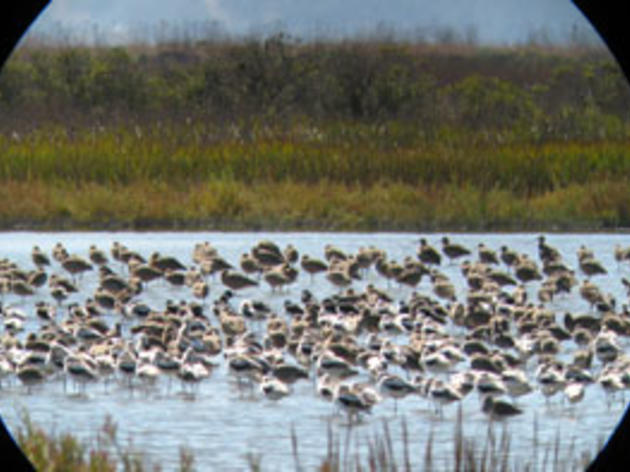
[[222, 425]]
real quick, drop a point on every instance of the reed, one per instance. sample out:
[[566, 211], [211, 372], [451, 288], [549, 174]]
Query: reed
[[491, 452], [235, 205], [176, 156], [346, 136], [61, 451], [347, 449]]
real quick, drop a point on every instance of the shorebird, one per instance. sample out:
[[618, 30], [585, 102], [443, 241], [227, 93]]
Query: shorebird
[[547, 253], [453, 251], [442, 394], [499, 409], [332, 252], [516, 383], [574, 392], [276, 278], [30, 375], [489, 384], [591, 293], [273, 388], [81, 369], [59, 252], [621, 253], [326, 387], [394, 387], [97, 256], [76, 265], [291, 254], [526, 270], [607, 346], [590, 267], [428, 254], [148, 373], [508, 256], [39, 258], [410, 276], [22, 288], [163, 263], [145, 272], [334, 366], [249, 265], [236, 281], [254, 310], [289, 374], [247, 368], [351, 403], [339, 278], [487, 255]]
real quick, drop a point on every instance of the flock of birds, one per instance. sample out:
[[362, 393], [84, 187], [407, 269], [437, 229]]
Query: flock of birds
[[356, 347]]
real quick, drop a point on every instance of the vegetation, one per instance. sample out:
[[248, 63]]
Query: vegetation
[[345, 450], [64, 452], [281, 134]]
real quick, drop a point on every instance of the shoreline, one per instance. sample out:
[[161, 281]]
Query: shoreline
[[162, 226]]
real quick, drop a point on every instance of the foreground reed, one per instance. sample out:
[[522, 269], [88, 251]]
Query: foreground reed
[[58, 451], [346, 450], [490, 452]]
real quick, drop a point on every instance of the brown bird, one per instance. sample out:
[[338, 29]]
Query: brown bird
[[428, 254], [452, 250], [236, 281]]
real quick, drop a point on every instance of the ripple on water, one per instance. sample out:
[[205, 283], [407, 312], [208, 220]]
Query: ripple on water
[[221, 425]]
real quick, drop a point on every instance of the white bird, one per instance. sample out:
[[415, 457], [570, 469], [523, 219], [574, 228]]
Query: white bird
[[516, 382], [273, 388], [395, 387], [350, 402], [574, 392], [327, 386], [489, 384], [442, 394]]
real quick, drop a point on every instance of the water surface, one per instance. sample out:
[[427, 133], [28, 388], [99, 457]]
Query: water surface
[[221, 425]]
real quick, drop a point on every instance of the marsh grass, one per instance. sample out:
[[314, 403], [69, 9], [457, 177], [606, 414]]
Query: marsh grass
[[347, 449], [340, 136], [55, 451], [329, 205], [492, 452]]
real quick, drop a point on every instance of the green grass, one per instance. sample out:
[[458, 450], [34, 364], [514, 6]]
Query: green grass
[[119, 178], [341, 136]]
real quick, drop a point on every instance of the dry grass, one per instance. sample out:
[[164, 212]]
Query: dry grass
[[346, 450], [280, 134]]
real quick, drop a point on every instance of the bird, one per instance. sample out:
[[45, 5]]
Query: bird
[[499, 409], [39, 258], [442, 393], [312, 266], [76, 265], [350, 402], [574, 392], [591, 267], [97, 256], [508, 256], [163, 263], [452, 250], [487, 255], [394, 387], [428, 254], [273, 388], [547, 253], [236, 280]]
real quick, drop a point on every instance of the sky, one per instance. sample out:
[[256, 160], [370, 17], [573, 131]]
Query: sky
[[492, 21]]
